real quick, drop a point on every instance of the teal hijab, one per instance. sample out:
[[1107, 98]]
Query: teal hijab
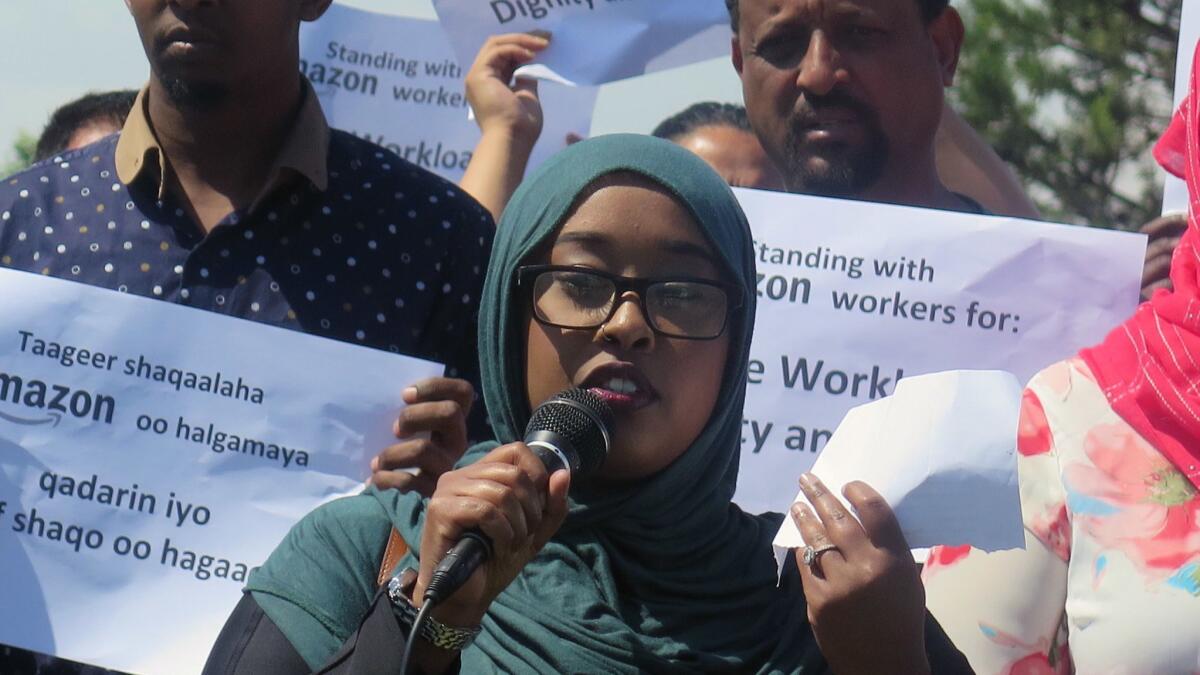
[[666, 575]]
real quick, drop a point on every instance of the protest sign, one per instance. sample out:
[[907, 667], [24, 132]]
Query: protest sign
[[396, 82], [1175, 198], [854, 296], [151, 454], [595, 41]]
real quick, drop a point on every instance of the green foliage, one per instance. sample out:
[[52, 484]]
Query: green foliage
[[1073, 94], [21, 155]]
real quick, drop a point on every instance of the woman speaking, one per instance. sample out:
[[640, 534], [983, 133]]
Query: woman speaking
[[623, 266]]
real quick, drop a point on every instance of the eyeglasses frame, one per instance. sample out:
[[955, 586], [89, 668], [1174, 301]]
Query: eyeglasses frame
[[527, 274]]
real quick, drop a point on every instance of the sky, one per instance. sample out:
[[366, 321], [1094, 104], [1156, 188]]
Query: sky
[[57, 50]]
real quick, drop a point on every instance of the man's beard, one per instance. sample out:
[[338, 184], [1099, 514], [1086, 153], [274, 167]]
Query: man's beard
[[194, 94], [834, 169]]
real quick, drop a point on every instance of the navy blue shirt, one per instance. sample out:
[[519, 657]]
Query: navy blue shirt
[[387, 256]]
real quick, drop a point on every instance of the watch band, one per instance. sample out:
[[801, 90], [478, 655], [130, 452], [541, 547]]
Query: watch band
[[434, 632]]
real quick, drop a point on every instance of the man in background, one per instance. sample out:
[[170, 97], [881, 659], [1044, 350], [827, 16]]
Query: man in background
[[846, 95], [83, 122], [227, 191]]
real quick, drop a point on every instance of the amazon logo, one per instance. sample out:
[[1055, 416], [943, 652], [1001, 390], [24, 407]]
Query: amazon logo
[[50, 403]]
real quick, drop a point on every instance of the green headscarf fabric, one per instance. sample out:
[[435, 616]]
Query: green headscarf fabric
[[663, 576]]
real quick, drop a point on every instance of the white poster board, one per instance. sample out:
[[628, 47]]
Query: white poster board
[[853, 296], [1175, 197], [396, 82], [150, 454], [595, 41]]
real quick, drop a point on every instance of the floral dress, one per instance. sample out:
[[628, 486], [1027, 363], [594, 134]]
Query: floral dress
[[1109, 581]]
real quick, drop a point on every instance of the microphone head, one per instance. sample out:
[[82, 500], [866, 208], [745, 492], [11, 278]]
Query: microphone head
[[581, 420]]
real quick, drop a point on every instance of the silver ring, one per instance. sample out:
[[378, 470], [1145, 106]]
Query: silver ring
[[813, 555]]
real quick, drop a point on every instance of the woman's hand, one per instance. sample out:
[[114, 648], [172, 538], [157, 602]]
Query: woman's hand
[[513, 112], [508, 496], [865, 599], [433, 436]]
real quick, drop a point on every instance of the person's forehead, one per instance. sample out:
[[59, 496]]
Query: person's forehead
[[618, 218], [623, 203], [722, 135], [757, 11]]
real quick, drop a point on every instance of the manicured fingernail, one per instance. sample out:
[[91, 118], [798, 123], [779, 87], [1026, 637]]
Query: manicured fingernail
[[374, 466], [799, 510], [807, 479], [409, 394]]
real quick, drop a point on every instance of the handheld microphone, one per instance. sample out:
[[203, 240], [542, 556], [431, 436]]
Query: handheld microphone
[[571, 430]]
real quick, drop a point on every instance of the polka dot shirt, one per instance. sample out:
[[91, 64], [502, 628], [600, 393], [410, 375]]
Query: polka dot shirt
[[388, 256]]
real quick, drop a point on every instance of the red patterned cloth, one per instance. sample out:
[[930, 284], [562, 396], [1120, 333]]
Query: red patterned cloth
[[1149, 367]]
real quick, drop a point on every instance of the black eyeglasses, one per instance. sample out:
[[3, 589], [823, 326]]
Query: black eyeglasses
[[580, 298]]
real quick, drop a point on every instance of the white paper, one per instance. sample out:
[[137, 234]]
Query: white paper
[[942, 452], [396, 82], [1175, 197], [1062, 288], [330, 404], [595, 41]]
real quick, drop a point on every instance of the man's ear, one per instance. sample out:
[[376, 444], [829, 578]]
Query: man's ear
[[311, 10], [735, 53], [947, 33]]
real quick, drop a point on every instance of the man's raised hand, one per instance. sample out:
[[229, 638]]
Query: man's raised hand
[[432, 431]]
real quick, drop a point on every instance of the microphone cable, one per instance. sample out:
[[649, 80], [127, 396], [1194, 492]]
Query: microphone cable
[[415, 634]]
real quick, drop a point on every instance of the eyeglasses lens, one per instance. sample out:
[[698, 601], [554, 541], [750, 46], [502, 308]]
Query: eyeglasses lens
[[687, 309], [677, 308]]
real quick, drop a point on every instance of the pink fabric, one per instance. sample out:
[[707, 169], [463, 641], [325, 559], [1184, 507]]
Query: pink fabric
[[1149, 367]]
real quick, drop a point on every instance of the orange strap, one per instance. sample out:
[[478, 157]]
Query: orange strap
[[396, 548]]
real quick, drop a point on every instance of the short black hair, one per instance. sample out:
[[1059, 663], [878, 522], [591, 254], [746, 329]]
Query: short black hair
[[930, 10], [109, 106], [706, 114]]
